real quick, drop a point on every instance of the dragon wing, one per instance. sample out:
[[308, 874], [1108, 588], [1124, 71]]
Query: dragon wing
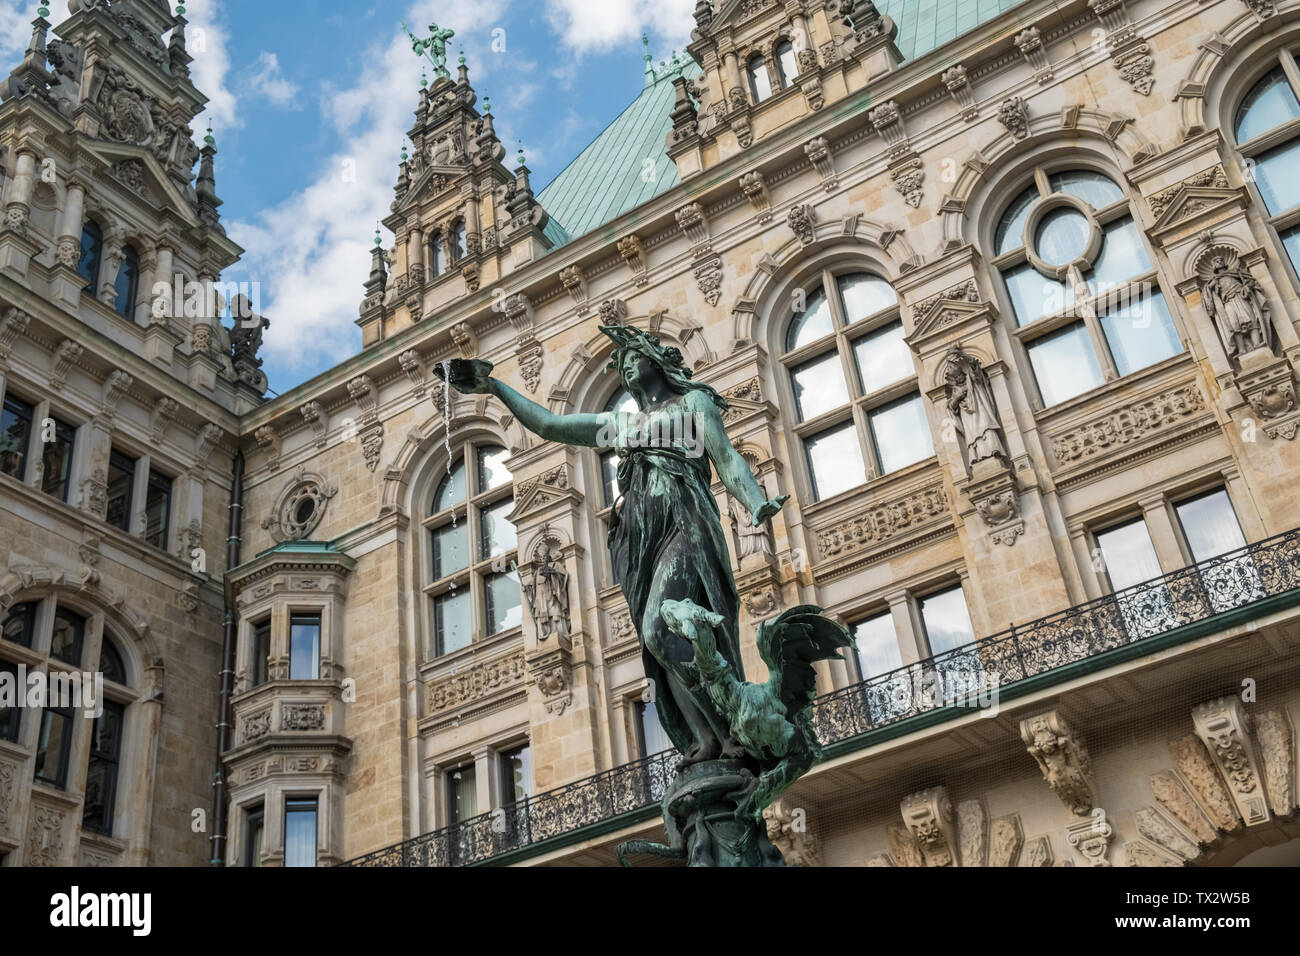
[[789, 644]]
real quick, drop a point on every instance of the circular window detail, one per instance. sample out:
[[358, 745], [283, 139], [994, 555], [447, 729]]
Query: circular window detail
[[300, 508]]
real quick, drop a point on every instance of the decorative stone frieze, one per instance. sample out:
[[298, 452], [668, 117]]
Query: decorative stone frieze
[[1197, 769], [904, 848], [461, 689], [1037, 853], [1174, 799], [47, 836], [929, 818], [884, 522], [1224, 728], [1006, 837], [946, 308], [1130, 425], [1192, 195], [1062, 757], [973, 830], [1277, 751], [1157, 828]]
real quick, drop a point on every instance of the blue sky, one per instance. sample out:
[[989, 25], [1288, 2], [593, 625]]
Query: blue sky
[[310, 101]]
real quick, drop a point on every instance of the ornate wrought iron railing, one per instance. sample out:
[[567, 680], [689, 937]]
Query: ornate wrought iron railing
[[974, 675]]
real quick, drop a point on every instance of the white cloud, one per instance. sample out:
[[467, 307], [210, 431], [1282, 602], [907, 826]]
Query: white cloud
[[207, 40], [600, 25], [269, 81], [16, 18], [310, 253]]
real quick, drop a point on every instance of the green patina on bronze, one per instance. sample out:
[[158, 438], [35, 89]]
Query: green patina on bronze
[[742, 744]]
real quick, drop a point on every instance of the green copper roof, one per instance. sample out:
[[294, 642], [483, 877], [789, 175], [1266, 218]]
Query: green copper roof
[[606, 179]]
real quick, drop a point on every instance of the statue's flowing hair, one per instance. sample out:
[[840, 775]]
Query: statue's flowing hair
[[629, 339]]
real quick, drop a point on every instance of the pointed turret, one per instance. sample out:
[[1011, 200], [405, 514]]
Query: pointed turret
[[205, 186]]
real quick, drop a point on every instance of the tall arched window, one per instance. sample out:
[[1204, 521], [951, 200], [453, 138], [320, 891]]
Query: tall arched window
[[437, 255], [105, 745], [1084, 296], [853, 382], [472, 586], [458, 240], [760, 86], [92, 249], [1267, 129], [787, 65], [127, 283]]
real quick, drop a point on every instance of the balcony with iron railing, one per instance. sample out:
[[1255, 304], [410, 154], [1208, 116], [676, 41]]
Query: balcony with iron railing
[[1160, 613]]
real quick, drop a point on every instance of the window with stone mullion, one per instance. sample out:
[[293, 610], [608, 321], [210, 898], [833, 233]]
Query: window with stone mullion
[[1267, 132]]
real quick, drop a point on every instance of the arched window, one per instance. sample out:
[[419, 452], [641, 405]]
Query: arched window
[[127, 282], [458, 240], [63, 638], [787, 65], [620, 401], [853, 383], [437, 255], [472, 585], [1267, 129], [760, 86], [92, 248], [1084, 296]]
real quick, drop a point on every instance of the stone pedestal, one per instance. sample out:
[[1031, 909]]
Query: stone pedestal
[[700, 818]]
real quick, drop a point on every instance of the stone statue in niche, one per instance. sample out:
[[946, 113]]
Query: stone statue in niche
[[548, 594], [1236, 302], [974, 412], [750, 540]]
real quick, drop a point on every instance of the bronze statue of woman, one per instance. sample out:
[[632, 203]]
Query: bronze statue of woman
[[666, 534]]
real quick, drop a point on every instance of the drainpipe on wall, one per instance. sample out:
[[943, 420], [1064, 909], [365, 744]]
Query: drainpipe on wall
[[227, 667]]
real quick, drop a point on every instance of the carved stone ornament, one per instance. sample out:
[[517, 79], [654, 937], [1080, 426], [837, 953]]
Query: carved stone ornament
[[550, 669], [1014, 115], [1062, 757], [548, 591], [1091, 837], [708, 278], [633, 253], [1235, 300], [929, 818], [802, 220], [301, 507], [787, 828], [1129, 425], [884, 522], [1223, 726], [957, 81], [462, 688], [755, 190]]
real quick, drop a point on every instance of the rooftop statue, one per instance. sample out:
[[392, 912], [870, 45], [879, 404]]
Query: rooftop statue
[[741, 744]]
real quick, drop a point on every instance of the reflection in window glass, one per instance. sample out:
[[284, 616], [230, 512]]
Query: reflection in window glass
[[1062, 236], [254, 831], [946, 620], [126, 285], [10, 715], [877, 646], [462, 792], [883, 358], [57, 461], [492, 472], [623, 402], [1275, 175], [786, 64], [92, 247], [157, 509], [1093, 188], [1122, 256], [835, 461], [304, 647], [1210, 526], [502, 607], [1270, 104], [451, 615], [760, 87], [450, 549], [121, 478], [53, 746], [452, 489], [20, 625], [864, 295], [261, 652], [1128, 554], [101, 772], [110, 662], [654, 739], [1141, 334], [1033, 295], [1064, 364], [517, 773], [1011, 228], [901, 432], [811, 324], [69, 634], [819, 386], [15, 432], [300, 833], [1291, 240], [497, 534]]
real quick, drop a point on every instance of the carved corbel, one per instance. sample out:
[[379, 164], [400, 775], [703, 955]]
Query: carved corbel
[[818, 152], [1030, 44], [268, 439], [755, 190], [928, 816], [1128, 51], [633, 252], [708, 278], [13, 324], [695, 226], [551, 670], [314, 415], [787, 828], [1062, 757], [1224, 728], [1091, 837], [575, 283], [466, 341], [958, 83], [413, 366], [116, 385], [207, 440], [65, 356], [163, 412]]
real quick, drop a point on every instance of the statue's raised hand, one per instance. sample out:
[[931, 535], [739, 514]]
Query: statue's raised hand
[[769, 510], [467, 376]]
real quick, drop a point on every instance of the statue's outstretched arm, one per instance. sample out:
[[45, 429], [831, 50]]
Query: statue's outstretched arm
[[731, 465], [473, 377]]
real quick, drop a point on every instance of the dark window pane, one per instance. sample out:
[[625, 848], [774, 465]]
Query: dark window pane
[[20, 625], [10, 717], [1064, 364], [53, 746], [56, 459], [304, 651], [111, 664], [101, 772], [261, 652], [835, 461], [127, 283], [517, 773], [254, 831], [92, 246], [300, 833], [451, 621], [1267, 106], [121, 479], [458, 241], [157, 509], [69, 633], [15, 433]]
